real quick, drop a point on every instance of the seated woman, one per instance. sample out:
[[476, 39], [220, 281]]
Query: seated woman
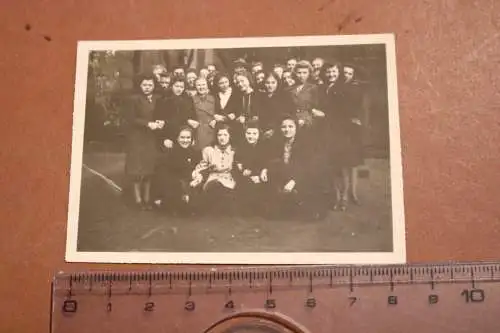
[[176, 176], [214, 173], [295, 175], [250, 160]]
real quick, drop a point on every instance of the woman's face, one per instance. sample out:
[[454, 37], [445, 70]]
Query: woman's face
[[348, 74], [202, 87], [252, 135], [190, 78], [332, 74], [185, 139], [271, 84], [287, 76], [259, 78], [278, 71], [165, 82], [223, 84], [178, 88], [223, 137], [204, 72], [147, 87], [302, 74], [288, 128], [242, 83]]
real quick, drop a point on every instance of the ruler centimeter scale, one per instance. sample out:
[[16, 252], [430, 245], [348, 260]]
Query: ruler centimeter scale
[[454, 297]]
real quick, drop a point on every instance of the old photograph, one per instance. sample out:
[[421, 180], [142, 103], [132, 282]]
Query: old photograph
[[272, 150]]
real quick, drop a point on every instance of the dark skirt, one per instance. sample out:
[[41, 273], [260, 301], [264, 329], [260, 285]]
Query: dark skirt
[[142, 154]]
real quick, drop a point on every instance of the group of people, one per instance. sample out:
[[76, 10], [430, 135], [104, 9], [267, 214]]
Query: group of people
[[281, 141]]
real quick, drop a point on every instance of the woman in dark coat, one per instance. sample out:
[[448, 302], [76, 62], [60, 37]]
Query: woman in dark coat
[[246, 107], [272, 105], [354, 103], [337, 132], [226, 99], [250, 159], [174, 111], [182, 159], [305, 95], [142, 146], [295, 174]]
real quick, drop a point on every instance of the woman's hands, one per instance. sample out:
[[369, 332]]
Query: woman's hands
[[168, 143], [193, 123], [289, 186]]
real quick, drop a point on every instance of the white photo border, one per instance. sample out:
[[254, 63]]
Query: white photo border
[[398, 254]]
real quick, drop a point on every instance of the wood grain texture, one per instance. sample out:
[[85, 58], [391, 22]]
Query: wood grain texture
[[448, 57]]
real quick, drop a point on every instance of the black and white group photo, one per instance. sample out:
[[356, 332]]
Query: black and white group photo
[[287, 150]]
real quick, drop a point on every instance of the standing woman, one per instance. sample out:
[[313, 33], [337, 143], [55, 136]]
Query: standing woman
[[305, 95], [272, 105], [226, 99], [246, 108], [336, 132], [142, 146], [204, 105], [354, 104], [214, 172]]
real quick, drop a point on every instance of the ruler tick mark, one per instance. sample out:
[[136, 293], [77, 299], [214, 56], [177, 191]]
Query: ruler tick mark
[[432, 280], [351, 286], [109, 289], [310, 283], [190, 290], [472, 278]]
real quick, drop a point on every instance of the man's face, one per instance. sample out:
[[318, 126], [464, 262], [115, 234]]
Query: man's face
[[256, 68], [179, 72], [291, 63], [317, 64]]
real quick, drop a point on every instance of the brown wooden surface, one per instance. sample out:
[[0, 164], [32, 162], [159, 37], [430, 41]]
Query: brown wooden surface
[[448, 57]]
